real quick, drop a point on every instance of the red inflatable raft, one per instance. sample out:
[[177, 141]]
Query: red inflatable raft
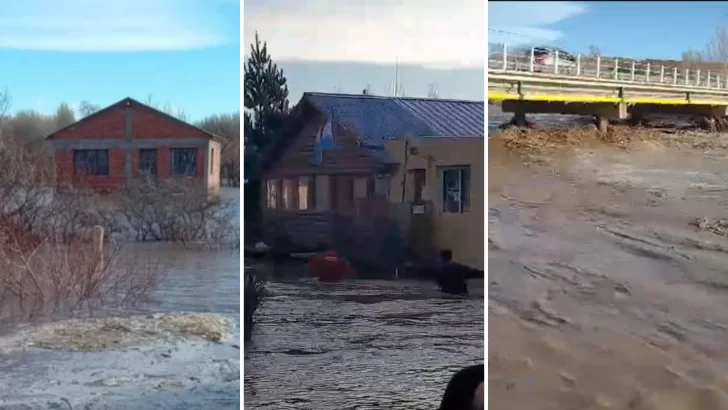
[[329, 267]]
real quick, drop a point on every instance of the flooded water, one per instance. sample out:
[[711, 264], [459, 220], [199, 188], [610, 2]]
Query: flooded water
[[363, 344], [602, 291], [181, 375]]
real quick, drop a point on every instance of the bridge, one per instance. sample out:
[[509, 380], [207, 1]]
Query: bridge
[[523, 82]]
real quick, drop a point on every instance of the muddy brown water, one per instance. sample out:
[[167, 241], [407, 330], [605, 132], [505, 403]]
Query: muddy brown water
[[184, 375], [361, 344], [602, 292]]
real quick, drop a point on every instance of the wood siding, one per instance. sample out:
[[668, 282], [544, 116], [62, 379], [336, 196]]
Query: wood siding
[[346, 157]]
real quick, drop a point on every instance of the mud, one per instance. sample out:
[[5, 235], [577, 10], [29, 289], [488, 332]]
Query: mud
[[608, 270]]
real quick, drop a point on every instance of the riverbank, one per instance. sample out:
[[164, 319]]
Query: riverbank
[[605, 289]]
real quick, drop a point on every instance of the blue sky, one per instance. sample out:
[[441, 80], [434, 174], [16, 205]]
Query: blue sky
[[182, 52], [344, 45], [631, 29]]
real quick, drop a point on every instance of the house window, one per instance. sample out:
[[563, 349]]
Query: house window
[[272, 193], [303, 192], [183, 161], [455, 189], [289, 193], [91, 162]]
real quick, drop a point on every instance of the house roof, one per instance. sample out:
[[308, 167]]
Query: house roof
[[131, 101], [378, 118]]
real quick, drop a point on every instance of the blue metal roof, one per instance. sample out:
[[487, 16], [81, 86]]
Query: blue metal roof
[[377, 118]]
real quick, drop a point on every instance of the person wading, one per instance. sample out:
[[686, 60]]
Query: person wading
[[451, 276]]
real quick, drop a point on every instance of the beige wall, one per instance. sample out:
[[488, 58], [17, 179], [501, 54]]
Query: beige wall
[[213, 170], [463, 233]]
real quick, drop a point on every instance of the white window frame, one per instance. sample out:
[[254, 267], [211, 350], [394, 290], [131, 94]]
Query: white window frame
[[462, 194]]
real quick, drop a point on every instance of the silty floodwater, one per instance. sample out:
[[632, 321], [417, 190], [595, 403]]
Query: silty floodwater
[[173, 375], [607, 262], [362, 344]]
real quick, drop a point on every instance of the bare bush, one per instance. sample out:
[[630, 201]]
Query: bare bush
[[65, 278], [46, 263], [254, 289], [594, 51], [86, 108], [178, 211]]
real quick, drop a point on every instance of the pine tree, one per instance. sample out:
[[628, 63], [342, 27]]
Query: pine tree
[[266, 109], [265, 100]]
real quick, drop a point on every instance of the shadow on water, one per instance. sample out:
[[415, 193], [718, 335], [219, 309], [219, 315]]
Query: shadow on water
[[359, 343]]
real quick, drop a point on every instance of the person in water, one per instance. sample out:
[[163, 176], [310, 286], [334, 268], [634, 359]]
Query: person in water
[[451, 276], [466, 390]]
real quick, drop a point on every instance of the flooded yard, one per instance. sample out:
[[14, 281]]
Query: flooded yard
[[362, 344], [179, 349]]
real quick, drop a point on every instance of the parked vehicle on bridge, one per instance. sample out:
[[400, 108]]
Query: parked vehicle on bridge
[[544, 60]]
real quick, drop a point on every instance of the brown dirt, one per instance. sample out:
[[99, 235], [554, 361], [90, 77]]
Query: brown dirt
[[608, 264]]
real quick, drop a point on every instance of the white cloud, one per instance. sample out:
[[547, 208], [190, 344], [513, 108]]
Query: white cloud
[[414, 31], [521, 22], [104, 25]]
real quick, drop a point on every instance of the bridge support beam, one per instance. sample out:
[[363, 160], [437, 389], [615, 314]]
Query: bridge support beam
[[603, 111], [602, 124], [716, 111], [519, 119]]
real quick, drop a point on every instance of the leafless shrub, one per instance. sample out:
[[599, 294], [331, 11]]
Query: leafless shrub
[[56, 278], [86, 108], [594, 51], [254, 288], [46, 263], [178, 211]]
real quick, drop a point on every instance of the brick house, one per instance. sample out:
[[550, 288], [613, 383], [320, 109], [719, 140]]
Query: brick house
[[357, 154], [129, 139]]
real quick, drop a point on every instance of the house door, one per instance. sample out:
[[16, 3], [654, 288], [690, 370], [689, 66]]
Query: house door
[[148, 163]]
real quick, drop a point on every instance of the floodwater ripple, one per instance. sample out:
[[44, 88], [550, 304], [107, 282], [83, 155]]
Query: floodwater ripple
[[364, 344]]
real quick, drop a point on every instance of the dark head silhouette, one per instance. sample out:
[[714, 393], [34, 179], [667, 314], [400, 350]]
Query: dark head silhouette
[[446, 255], [463, 389]]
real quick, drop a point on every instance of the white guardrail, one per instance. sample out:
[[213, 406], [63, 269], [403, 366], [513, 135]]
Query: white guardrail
[[515, 59]]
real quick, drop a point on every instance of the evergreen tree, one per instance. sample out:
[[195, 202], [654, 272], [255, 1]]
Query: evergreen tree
[[265, 100], [266, 109]]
